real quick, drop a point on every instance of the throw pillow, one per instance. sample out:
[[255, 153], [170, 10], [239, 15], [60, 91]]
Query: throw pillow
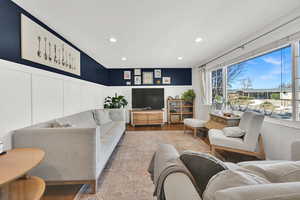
[[235, 132], [202, 166], [59, 125]]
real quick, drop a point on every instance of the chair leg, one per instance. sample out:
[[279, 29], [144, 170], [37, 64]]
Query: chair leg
[[195, 132], [184, 128], [215, 153], [94, 186], [261, 149]]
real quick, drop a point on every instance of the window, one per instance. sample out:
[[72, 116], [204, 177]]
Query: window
[[217, 85], [297, 84], [262, 84]]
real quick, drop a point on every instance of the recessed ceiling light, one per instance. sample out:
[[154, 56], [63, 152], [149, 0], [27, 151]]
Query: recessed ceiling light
[[198, 39], [180, 58], [113, 40], [124, 58]]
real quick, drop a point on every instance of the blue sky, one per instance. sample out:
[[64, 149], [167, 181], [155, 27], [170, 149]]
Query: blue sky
[[265, 71]]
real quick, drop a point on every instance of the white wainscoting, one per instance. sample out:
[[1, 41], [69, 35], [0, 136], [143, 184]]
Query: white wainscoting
[[29, 96], [169, 91], [47, 95]]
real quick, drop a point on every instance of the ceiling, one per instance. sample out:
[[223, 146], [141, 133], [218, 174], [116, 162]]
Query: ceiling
[[154, 33]]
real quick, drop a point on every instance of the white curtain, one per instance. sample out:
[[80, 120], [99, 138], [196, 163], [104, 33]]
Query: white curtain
[[203, 86]]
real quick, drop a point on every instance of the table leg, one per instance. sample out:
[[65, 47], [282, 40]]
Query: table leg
[[4, 192]]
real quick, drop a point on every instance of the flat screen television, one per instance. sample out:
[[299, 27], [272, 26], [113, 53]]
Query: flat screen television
[[148, 98]]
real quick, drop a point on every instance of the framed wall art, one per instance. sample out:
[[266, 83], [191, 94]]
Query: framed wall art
[[127, 75], [40, 46], [137, 72], [166, 80], [157, 73], [137, 80], [147, 78]]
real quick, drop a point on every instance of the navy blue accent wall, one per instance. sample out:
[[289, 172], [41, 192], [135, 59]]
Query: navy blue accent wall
[[179, 76], [10, 45]]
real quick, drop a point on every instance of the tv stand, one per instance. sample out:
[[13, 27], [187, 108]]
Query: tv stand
[[147, 117]]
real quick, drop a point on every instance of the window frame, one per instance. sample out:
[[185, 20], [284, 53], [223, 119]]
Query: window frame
[[295, 45]]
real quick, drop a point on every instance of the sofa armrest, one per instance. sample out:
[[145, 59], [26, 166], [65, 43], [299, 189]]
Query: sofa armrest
[[274, 191], [117, 114], [71, 153], [178, 186]]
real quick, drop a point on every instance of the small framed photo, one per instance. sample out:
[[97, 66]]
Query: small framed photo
[[137, 80], [148, 78], [127, 75], [166, 80], [137, 72], [128, 82], [157, 73]]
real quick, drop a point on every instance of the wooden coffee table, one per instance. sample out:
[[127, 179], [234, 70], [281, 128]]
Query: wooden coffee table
[[14, 184]]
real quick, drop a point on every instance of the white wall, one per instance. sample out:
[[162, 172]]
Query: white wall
[[169, 91], [30, 96]]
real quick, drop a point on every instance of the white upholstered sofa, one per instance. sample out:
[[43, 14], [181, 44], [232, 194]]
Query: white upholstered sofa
[[77, 147]]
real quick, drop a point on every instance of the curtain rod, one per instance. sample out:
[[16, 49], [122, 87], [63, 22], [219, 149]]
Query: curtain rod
[[242, 46]]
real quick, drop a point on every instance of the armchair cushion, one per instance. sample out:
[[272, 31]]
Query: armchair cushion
[[235, 132], [217, 137], [195, 123]]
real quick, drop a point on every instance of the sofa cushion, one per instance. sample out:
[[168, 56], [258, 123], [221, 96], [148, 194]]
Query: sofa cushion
[[236, 132], [277, 172], [81, 120], [102, 116], [117, 114], [105, 128], [276, 191], [230, 179]]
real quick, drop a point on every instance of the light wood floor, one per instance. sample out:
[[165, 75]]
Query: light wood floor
[[166, 127]]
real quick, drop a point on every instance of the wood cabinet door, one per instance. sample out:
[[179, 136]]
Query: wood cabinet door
[[140, 118], [155, 118]]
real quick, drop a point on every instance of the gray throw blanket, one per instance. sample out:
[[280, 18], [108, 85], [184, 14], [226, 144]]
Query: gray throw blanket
[[165, 162]]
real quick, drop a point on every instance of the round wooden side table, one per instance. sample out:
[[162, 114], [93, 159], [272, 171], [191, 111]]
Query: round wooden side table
[[14, 184]]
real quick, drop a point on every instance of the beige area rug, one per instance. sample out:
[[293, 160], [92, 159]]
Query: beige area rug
[[125, 176]]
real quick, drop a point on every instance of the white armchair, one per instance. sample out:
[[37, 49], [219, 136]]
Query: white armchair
[[250, 144], [195, 124]]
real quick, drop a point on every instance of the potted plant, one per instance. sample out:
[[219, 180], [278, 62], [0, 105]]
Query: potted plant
[[115, 102], [188, 96], [218, 102]]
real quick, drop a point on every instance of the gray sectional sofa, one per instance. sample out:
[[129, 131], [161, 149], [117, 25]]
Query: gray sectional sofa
[[77, 147]]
